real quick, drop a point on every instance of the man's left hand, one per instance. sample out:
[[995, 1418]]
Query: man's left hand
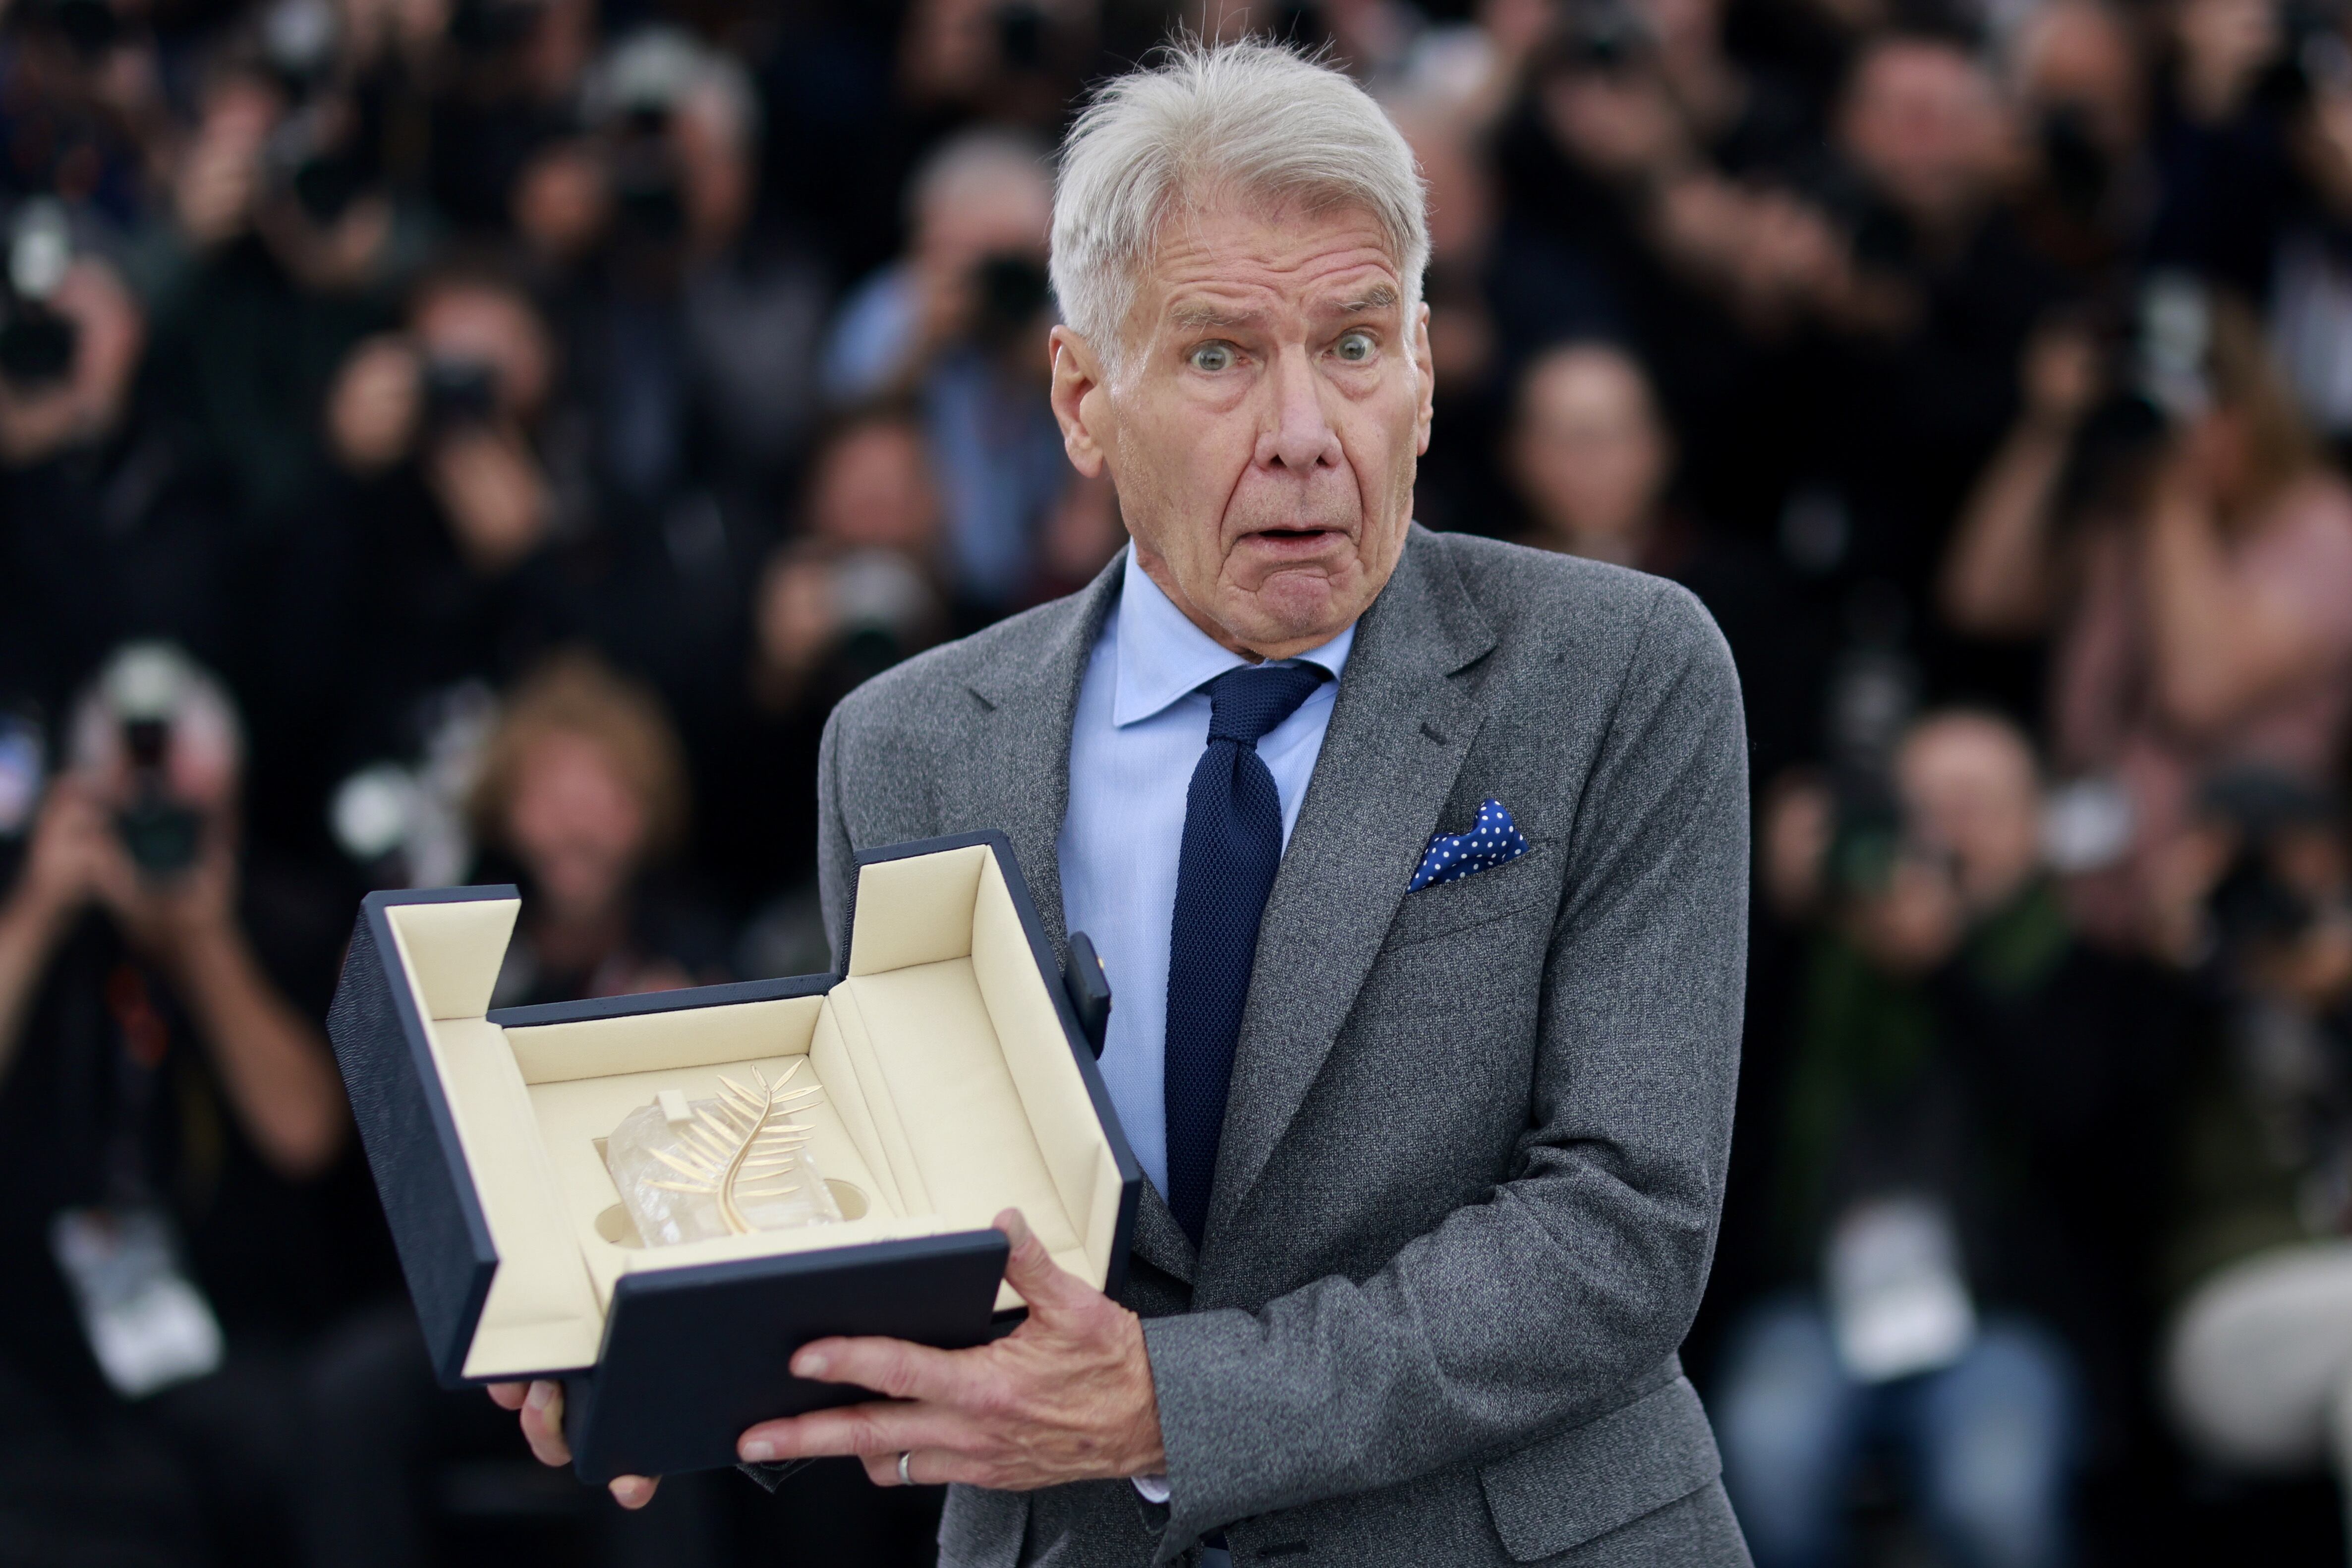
[[1067, 1396]]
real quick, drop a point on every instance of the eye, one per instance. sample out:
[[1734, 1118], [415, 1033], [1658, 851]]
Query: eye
[[1212, 358], [1355, 348]]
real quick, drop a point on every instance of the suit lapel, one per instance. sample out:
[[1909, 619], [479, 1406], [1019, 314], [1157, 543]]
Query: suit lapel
[[1017, 778], [1017, 775], [1398, 735]]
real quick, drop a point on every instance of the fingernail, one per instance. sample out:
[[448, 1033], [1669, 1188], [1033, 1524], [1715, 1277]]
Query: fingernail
[[757, 1450], [632, 1492], [810, 1363], [542, 1396]]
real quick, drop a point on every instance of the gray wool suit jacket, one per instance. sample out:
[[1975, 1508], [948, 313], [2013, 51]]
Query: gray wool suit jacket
[[1474, 1151]]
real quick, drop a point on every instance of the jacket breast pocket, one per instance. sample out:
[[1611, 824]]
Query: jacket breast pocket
[[1580, 1484], [1476, 900]]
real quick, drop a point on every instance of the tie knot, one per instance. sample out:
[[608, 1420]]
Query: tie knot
[[1245, 704]]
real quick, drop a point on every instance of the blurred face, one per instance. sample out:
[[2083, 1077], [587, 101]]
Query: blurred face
[[574, 822], [2216, 444], [1921, 120], [1683, 24], [873, 491], [1461, 202], [1588, 452], [990, 211], [2079, 56], [714, 172], [1264, 430], [1969, 789], [480, 325]]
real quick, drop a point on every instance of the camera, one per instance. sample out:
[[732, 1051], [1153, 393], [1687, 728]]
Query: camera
[[2157, 370], [458, 393], [1598, 35], [89, 27], [297, 40], [1021, 35], [160, 834], [2077, 166], [491, 27], [644, 173], [1010, 291], [1872, 696], [159, 831], [37, 342], [317, 156]]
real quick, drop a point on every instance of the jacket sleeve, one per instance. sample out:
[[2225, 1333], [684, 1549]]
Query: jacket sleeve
[[1543, 1307], [837, 856]]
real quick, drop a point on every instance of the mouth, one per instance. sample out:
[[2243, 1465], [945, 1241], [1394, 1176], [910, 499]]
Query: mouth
[[1293, 542]]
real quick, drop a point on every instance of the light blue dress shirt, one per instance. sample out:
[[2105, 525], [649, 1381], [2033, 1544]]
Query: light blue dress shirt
[[1141, 727]]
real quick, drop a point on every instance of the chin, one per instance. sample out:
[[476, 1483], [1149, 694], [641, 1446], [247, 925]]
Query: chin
[[1303, 604]]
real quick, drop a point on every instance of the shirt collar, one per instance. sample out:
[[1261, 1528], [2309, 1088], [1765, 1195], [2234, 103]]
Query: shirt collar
[[1163, 656]]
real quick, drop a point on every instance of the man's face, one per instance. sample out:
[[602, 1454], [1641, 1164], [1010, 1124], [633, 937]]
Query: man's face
[[1587, 450], [1263, 429], [1969, 786], [1923, 122]]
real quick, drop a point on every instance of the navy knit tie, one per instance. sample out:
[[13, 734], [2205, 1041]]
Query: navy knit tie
[[1233, 842]]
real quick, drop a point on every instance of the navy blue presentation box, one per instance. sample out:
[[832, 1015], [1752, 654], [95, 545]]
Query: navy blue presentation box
[[956, 1083]]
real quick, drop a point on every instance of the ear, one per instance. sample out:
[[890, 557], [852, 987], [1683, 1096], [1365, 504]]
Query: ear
[[1424, 366], [1078, 401]]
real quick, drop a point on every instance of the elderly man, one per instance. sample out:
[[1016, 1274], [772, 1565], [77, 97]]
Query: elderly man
[[1419, 864]]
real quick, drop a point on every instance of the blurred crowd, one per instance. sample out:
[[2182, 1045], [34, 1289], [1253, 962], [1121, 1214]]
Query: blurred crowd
[[469, 440]]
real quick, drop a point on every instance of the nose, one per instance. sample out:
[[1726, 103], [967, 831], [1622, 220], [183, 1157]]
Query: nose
[[1297, 435]]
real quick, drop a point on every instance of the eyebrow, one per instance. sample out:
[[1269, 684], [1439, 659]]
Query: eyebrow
[[1203, 317], [1194, 318]]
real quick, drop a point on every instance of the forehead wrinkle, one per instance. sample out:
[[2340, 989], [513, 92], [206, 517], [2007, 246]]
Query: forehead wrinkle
[[1193, 314]]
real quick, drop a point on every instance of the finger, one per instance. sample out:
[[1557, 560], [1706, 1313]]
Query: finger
[[929, 1467], [894, 1367], [542, 1423], [633, 1492], [881, 1427], [1029, 1268], [507, 1396]]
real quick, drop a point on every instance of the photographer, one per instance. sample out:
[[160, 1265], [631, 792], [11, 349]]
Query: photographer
[[1646, 174], [957, 323], [165, 1113], [429, 560], [1962, 1171], [2257, 1364], [111, 524], [2075, 72], [1593, 463], [285, 245], [853, 591], [2199, 576], [584, 794], [692, 329]]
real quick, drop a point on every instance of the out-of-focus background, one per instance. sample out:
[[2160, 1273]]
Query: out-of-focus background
[[450, 440]]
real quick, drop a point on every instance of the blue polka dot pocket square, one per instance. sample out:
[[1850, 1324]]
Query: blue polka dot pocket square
[[1495, 840]]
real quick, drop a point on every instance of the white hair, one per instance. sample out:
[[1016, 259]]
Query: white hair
[[1246, 118]]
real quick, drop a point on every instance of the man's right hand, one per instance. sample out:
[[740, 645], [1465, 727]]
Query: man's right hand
[[540, 1407], [66, 859]]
